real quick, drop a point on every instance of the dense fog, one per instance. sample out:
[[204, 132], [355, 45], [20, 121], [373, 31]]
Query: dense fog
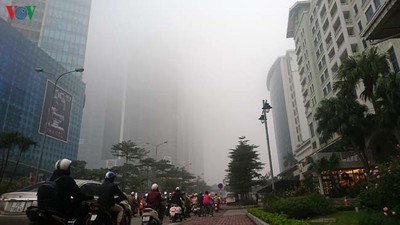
[[190, 72]]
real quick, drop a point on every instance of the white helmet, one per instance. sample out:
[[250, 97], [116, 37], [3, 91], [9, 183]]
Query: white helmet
[[132, 193], [154, 187], [177, 189], [63, 164]]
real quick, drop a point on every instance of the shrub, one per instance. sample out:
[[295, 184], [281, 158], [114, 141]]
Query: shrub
[[276, 219], [374, 218], [383, 187], [304, 206]]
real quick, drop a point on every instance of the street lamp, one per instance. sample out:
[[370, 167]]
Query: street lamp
[[156, 147], [41, 70], [263, 118]]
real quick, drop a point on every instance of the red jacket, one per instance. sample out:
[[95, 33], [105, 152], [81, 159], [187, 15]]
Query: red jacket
[[154, 199], [206, 199]]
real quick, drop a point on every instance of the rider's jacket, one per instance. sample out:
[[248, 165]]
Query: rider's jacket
[[107, 191]]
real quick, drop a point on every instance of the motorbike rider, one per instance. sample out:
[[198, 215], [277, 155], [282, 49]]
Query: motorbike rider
[[154, 200], [177, 199], [133, 203], [107, 190], [65, 188], [217, 200], [207, 201], [188, 204]]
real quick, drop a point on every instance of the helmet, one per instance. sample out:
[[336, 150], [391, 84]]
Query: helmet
[[177, 189], [110, 175], [154, 187], [63, 164], [132, 193]]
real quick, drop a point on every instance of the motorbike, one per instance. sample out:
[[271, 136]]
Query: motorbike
[[38, 216], [195, 209], [150, 217], [98, 215], [216, 207], [175, 213]]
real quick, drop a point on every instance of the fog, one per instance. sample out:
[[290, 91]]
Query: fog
[[192, 72]]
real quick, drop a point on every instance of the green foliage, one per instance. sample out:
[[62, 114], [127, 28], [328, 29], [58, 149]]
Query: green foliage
[[243, 167], [128, 150], [275, 219], [383, 187], [303, 206]]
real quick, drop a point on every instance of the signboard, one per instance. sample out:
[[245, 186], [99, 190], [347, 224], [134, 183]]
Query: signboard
[[220, 186], [56, 113]]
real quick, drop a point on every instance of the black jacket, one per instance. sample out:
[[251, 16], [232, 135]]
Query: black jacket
[[177, 198], [65, 188], [107, 191]]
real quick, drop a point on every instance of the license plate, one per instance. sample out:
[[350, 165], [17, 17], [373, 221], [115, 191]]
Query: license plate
[[146, 218], [17, 207], [93, 217]]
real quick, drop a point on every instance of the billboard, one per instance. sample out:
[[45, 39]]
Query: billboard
[[56, 112]]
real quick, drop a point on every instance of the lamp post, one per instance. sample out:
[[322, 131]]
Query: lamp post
[[156, 147], [41, 70], [263, 118]]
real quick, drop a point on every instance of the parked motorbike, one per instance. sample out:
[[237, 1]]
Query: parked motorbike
[[150, 217], [175, 213]]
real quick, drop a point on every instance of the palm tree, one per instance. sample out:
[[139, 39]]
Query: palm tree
[[366, 67], [23, 144], [289, 159], [387, 98], [345, 117], [8, 140]]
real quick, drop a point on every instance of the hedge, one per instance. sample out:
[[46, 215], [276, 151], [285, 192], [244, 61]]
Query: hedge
[[275, 219]]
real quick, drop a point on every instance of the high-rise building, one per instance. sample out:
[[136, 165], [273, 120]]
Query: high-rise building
[[290, 125], [25, 96], [326, 32], [58, 27]]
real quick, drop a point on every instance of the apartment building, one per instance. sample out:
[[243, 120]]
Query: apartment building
[[289, 118], [326, 32]]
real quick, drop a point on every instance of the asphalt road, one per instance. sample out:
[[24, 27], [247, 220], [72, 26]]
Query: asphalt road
[[23, 220]]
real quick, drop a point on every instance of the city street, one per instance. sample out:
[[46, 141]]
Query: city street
[[229, 216]]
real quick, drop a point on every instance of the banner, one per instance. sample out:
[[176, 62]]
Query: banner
[[57, 106]]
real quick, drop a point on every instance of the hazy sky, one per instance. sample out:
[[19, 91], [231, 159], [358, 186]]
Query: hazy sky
[[220, 49]]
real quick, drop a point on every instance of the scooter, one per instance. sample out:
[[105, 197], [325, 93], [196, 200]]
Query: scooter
[[150, 217], [38, 216], [175, 213], [98, 215], [216, 207]]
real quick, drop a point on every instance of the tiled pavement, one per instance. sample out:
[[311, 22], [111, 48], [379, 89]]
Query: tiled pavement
[[224, 217]]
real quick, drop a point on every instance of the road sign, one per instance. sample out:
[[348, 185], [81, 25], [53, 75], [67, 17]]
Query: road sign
[[220, 185]]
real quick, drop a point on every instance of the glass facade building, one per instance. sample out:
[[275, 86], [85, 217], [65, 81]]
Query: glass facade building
[[22, 92], [59, 27]]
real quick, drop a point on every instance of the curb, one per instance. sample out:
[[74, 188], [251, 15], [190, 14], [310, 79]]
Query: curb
[[256, 220]]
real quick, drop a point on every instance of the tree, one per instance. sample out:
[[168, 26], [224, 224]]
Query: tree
[[387, 98], [23, 144], [366, 67], [345, 117], [244, 167], [289, 159], [128, 150]]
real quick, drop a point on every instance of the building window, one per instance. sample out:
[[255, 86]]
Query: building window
[[312, 132], [365, 45], [393, 60], [355, 9], [369, 13], [377, 4], [360, 27]]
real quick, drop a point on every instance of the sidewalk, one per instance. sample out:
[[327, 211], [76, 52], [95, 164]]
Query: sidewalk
[[225, 217]]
